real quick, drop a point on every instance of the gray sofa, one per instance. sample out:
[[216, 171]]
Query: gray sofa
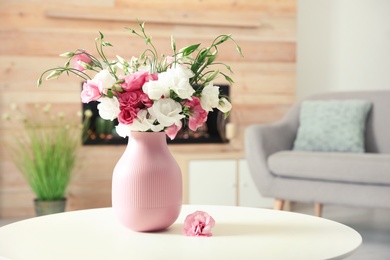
[[344, 178]]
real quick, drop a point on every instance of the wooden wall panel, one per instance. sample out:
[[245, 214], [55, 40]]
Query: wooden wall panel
[[34, 32]]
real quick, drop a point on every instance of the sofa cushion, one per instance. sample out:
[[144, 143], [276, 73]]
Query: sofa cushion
[[363, 168], [332, 125]]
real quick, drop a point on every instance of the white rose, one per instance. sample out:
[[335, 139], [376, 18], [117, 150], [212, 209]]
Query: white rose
[[224, 105], [108, 108], [104, 80], [209, 98], [166, 111], [155, 89]]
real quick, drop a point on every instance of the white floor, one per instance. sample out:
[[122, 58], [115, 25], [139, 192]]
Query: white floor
[[372, 224]]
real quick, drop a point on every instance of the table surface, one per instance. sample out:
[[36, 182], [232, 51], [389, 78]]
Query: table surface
[[239, 233]]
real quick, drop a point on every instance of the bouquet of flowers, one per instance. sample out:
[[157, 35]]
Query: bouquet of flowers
[[151, 92]]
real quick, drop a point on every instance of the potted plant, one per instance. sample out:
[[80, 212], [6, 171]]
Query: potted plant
[[45, 153]]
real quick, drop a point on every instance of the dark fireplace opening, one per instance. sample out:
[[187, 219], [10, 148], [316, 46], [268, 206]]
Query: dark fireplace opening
[[102, 131]]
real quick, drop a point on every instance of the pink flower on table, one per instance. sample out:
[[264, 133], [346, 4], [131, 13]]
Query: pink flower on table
[[82, 57], [90, 92], [198, 116], [198, 223]]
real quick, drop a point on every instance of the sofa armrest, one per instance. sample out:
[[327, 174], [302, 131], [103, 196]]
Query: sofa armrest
[[260, 142]]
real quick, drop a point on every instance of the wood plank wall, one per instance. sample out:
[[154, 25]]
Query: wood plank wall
[[34, 32]]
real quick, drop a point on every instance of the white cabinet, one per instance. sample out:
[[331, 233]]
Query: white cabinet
[[223, 182], [212, 182], [249, 196]]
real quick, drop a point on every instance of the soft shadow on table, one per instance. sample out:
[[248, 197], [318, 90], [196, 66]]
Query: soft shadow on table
[[234, 229]]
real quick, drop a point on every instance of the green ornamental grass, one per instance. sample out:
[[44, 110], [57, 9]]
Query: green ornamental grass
[[46, 152]]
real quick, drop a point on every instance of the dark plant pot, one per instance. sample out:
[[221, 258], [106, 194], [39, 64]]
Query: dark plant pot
[[46, 207]]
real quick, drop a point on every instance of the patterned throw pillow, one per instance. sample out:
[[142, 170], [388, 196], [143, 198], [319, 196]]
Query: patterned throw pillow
[[332, 125]]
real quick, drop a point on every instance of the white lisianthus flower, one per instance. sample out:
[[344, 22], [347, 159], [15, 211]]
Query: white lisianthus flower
[[144, 122], [155, 89], [180, 71], [183, 89], [166, 111], [178, 79], [108, 108], [224, 105], [122, 130], [104, 79], [209, 98]]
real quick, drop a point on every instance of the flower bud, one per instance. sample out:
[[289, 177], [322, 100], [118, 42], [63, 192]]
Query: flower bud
[[54, 74], [67, 54], [84, 65], [39, 82], [224, 105], [120, 59]]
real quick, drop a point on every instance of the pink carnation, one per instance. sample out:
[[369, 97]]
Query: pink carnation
[[130, 103], [130, 99], [90, 92], [198, 116], [136, 80], [198, 223], [127, 115], [83, 58], [145, 100]]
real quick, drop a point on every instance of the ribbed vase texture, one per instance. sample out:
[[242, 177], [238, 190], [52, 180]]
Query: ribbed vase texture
[[147, 184]]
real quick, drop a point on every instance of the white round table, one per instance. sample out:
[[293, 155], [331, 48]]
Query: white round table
[[239, 233]]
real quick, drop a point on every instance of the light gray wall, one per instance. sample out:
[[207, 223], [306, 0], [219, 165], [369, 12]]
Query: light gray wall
[[343, 45]]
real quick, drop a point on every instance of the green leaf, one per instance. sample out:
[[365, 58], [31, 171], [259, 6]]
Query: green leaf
[[189, 49], [211, 58], [101, 35], [110, 94], [106, 44]]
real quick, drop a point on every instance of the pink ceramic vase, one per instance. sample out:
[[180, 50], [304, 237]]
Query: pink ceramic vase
[[147, 184]]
